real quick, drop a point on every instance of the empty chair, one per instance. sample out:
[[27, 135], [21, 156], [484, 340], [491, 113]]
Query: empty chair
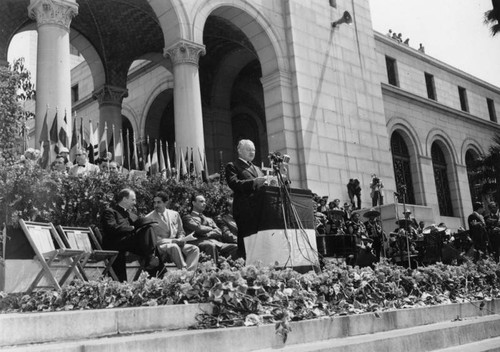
[[83, 238], [41, 236]]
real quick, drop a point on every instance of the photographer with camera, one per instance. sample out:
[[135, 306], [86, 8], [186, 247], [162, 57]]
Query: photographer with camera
[[376, 192], [245, 178]]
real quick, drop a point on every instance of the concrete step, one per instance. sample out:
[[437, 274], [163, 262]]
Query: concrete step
[[132, 329], [489, 345], [430, 337], [451, 335]]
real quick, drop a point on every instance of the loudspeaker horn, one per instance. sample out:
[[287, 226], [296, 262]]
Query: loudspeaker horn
[[346, 18]]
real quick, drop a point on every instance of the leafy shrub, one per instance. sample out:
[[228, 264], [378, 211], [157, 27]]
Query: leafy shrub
[[78, 201], [253, 294]]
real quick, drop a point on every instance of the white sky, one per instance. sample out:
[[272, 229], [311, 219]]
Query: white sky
[[451, 31]]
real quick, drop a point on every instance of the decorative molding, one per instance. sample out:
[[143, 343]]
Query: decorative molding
[[110, 95], [55, 12], [184, 52], [276, 79]]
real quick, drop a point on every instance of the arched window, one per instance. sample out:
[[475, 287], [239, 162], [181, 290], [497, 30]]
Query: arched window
[[402, 171], [475, 189], [441, 180]]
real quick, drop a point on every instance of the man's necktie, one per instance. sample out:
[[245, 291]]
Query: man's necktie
[[203, 219], [164, 218]]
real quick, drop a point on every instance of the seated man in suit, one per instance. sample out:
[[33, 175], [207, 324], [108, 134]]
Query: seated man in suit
[[125, 232], [226, 223], [169, 234], [208, 234]]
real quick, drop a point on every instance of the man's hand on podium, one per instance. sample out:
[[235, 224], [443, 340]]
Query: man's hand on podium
[[260, 181]]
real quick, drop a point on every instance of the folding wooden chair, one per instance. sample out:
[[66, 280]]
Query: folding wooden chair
[[132, 260], [41, 236], [83, 238]]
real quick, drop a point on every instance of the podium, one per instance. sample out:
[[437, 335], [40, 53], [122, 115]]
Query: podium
[[285, 235]]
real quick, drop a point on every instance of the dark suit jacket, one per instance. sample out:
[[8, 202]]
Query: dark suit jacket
[[241, 179], [117, 223]]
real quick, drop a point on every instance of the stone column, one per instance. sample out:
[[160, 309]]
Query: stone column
[[53, 71], [187, 96], [110, 100], [284, 131]]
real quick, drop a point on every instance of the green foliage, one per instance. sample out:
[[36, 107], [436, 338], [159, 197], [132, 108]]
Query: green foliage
[[486, 170], [15, 88], [78, 201], [253, 295]]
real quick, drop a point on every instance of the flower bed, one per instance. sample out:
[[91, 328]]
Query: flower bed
[[251, 295]]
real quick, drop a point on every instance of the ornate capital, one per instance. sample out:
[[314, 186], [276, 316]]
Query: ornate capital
[[56, 12], [184, 52], [110, 95]]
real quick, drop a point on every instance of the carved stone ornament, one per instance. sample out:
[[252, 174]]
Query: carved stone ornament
[[110, 95], [184, 52], [57, 12]]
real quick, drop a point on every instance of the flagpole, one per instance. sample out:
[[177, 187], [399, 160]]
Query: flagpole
[[128, 150]]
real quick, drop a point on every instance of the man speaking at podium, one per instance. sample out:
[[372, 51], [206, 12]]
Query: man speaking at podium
[[245, 178]]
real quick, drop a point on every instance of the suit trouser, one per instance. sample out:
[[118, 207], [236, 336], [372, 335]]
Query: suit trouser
[[184, 258], [215, 248], [142, 243]]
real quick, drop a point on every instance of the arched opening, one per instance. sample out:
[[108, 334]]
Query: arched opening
[[441, 180], [232, 92], [402, 169], [160, 124], [470, 163]]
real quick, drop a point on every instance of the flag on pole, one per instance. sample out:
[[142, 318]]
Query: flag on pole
[[112, 142], [127, 149], [154, 159], [63, 134], [93, 146], [161, 162], [167, 163], [182, 164], [136, 156], [147, 162], [196, 170], [204, 170], [74, 140], [188, 162], [103, 144], [45, 142], [54, 138], [119, 149]]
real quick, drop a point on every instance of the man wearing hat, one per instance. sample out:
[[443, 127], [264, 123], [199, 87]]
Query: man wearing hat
[[125, 232], [82, 167], [374, 230]]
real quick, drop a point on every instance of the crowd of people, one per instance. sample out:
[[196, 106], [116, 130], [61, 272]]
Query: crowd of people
[[399, 38], [163, 235], [410, 238]]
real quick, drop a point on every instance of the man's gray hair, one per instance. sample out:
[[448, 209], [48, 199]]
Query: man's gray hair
[[243, 143]]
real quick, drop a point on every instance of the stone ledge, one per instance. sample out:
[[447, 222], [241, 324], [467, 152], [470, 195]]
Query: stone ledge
[[28, 328]]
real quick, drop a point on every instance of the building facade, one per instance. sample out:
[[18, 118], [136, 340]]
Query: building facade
[[344, 102]]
